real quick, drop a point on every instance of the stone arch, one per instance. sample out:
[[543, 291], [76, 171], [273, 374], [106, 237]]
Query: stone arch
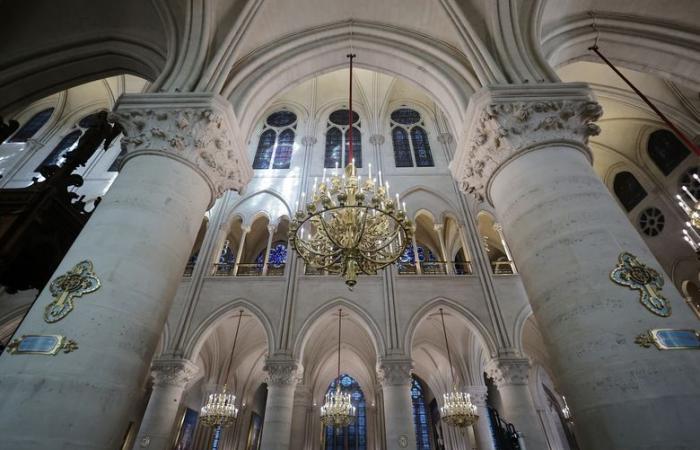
[[248, 219], [438, 204], [302, 113], [206, 326], [519, 325], [367, 322], [475, 325], [261, 75]]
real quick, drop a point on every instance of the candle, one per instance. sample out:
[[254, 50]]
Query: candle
[[369, 171], [685, 188], [397, 201], [404, 206], [324, 175], [380, 177], [683, 204]]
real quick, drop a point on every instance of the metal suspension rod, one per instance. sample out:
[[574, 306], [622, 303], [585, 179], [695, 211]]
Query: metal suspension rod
[[447, 346], [350, 115], [340, 324], [690, 144], [235, 338]]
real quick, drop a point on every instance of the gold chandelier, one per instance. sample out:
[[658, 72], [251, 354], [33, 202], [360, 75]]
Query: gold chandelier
[[690, 232], [457, 409], [220, 410], [338, 410], [348, 225]]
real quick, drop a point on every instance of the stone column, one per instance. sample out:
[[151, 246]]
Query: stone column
[[526, 151], [170, 378], [181, 156], [499, 229], [239, 251], [302, 405], [394, 374], [416, 259], [482, 430], [438, 227], [511, 376], [282, 377], [270, 234]]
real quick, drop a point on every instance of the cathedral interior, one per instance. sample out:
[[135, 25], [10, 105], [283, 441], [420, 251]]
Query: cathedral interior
[[364, 225]]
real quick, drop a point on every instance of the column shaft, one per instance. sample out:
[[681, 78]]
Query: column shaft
[[282, 376], [239, 251], [395, 378]]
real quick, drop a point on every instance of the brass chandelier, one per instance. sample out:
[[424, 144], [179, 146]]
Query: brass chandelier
[[457, 409], [692, 209], [348, 225], [220, 410], [338, 410]]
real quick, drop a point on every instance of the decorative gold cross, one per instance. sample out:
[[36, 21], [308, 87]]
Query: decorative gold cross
[[635, 275], [78, 281]]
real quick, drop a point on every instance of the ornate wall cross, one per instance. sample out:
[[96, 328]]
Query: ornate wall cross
[[78, 281], [635, 275]]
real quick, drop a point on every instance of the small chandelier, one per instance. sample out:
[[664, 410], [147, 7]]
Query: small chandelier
[[457, 409], [348, 225], [220, 409], [338, 410], [692, 209]]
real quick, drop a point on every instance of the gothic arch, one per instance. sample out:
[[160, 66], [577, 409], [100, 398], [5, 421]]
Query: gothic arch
[[206, 326], [248, 219]]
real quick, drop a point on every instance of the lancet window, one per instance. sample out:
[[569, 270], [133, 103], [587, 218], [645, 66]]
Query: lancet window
[[410, 140], [276, 142], [338, 139]]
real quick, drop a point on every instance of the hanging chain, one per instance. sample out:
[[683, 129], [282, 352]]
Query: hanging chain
[[447, 346], [235, 338]]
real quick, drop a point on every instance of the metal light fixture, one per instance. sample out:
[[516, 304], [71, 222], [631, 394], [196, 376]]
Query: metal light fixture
[[457, 409], [220, 409], [692, 209], [348, 225], [338, 410]]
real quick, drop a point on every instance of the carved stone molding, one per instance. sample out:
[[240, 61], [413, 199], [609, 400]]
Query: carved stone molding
[[376, 139], [509, 371], [197, 129], [308, 141], [445, 138], [282, 371], [394, 372], [174, 372], [504, 122]]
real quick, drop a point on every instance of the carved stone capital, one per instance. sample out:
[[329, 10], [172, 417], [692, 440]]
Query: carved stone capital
[[394, 372], [174, 372], [504, 122], [445, 138], [197, 129], [478, 395], [376, 139], [509, 371], [282, 371], [308, 141]]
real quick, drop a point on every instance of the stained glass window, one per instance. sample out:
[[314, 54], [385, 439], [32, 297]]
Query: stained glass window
[[33, 125], [56, 157], [402, 149], [276, 143], [628, 190], [421, 147], [283, 154], [354, 436], [666, 150], [337, 140], [408, 255], [421, 417], [278, 256], [413, 151]]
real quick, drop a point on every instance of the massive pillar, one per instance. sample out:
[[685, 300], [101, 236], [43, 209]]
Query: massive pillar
[[282, 378], [525, 150], [170, 378], [300, 416], [181, 155], [482, 429], [511, 377], [395, 377]]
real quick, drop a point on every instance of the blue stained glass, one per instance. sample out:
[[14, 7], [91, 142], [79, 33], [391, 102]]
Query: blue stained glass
[[278, 256], [409, 256], [402, 150], [281, 119], [628, 190], [263, 154], [342, 116], [283, 153], [405, 116], [334, 140], [354, 436], [421, 147], [227, 256], [666, 150], [356, 146], [64, 146], [420, 416], [33, 125]]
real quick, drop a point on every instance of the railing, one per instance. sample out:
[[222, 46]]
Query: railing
[[435, 268], [245, 270], [505, 435], [189, 268], [502, 267]]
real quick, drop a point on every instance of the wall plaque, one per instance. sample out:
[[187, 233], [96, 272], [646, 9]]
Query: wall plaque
[[41, 344], [670, 339]]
